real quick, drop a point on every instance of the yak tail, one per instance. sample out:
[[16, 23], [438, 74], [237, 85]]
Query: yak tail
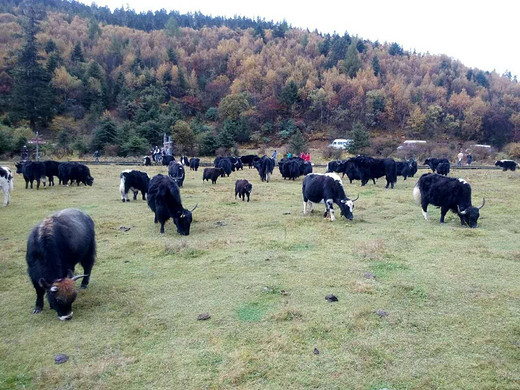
[[417, 194], [122, 185]]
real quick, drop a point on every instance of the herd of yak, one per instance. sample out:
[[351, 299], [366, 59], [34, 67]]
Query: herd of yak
[[61, 241]]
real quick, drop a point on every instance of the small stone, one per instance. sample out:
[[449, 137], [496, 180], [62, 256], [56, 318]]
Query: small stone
[[381, 313], [316, 351], [283, 292], [287, 213], [60, 358], [268, 289], [369, 275], [124, 228], [331, 298], [220, 223], [203, 317], [126, 261]]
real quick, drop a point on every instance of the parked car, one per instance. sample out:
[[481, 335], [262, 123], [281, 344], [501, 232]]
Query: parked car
[[411, 143], [340, 143]]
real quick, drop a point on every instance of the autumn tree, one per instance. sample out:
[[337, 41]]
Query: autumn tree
[[183, 137]]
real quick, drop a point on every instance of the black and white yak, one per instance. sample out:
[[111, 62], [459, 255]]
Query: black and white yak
[[449, 194], [54, 247], [507, 165], [32, 170], [6, 183], [134, 181], [327, 188], [164, 198], [177, 173]]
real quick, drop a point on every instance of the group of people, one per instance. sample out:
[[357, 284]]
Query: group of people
[[157, 153], [303, 155], [460, 157]]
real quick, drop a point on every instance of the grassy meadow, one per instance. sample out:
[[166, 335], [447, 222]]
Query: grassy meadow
[[448, 297]]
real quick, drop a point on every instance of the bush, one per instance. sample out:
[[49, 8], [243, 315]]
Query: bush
[[514, 150], [332, 154]]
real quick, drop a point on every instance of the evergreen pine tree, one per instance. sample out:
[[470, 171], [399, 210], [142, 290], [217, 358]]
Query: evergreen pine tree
[[32, 96], [375, 66], [298, 143], [352, 61], [360, 138], [77, 54]]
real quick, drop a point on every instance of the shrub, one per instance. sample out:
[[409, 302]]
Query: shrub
[[514, 150], [332, 154]]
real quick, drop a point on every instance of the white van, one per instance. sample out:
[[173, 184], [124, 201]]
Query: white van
[[340, 143], [411, 143]]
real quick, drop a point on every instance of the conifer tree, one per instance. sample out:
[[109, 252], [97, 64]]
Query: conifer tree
[[32, 96]]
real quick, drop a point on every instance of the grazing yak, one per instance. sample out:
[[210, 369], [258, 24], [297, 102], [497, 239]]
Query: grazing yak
[[366, 168], [434, 162], [167, 159], [326, 188], [294, 167], [72, 171], [243, 188], [6, 183], [443, 168], [225, 164], [164, 198], [51, 170], [177, 173], [134, 181], [32, 170], [54, 247], [249, 160], [506, 165], [147, 161], [406, 168], [265, 166], [194, 163], [449, 194], [212, 174]]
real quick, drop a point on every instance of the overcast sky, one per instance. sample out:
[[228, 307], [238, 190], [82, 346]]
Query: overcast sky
[[481, 34]]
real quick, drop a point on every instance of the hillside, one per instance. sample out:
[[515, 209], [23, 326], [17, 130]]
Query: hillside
[[116, 81]]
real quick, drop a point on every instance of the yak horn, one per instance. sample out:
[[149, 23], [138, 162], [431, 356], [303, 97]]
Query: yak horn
[[483, 203], [461, 212], [78, 277], [194, 208], [353, 200]]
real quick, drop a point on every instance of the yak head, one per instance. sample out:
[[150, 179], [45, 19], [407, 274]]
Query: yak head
[[90, 180], [347, 207], [469, 215], [61, 294], [183, 221], [19, 166]]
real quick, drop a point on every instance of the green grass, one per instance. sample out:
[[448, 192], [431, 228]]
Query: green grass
[[451, 293]]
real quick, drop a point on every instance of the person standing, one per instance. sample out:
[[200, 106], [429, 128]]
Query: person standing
[[460, 156], [273, 156], [96, 155], [469, 159]]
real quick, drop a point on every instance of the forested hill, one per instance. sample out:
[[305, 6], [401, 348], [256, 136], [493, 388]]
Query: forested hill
[[116, 81]]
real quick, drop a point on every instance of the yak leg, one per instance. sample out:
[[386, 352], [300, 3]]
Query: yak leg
[[247, 193], [329, 208], [40, 292], [424, 206], [444, 210], [143, 194]]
